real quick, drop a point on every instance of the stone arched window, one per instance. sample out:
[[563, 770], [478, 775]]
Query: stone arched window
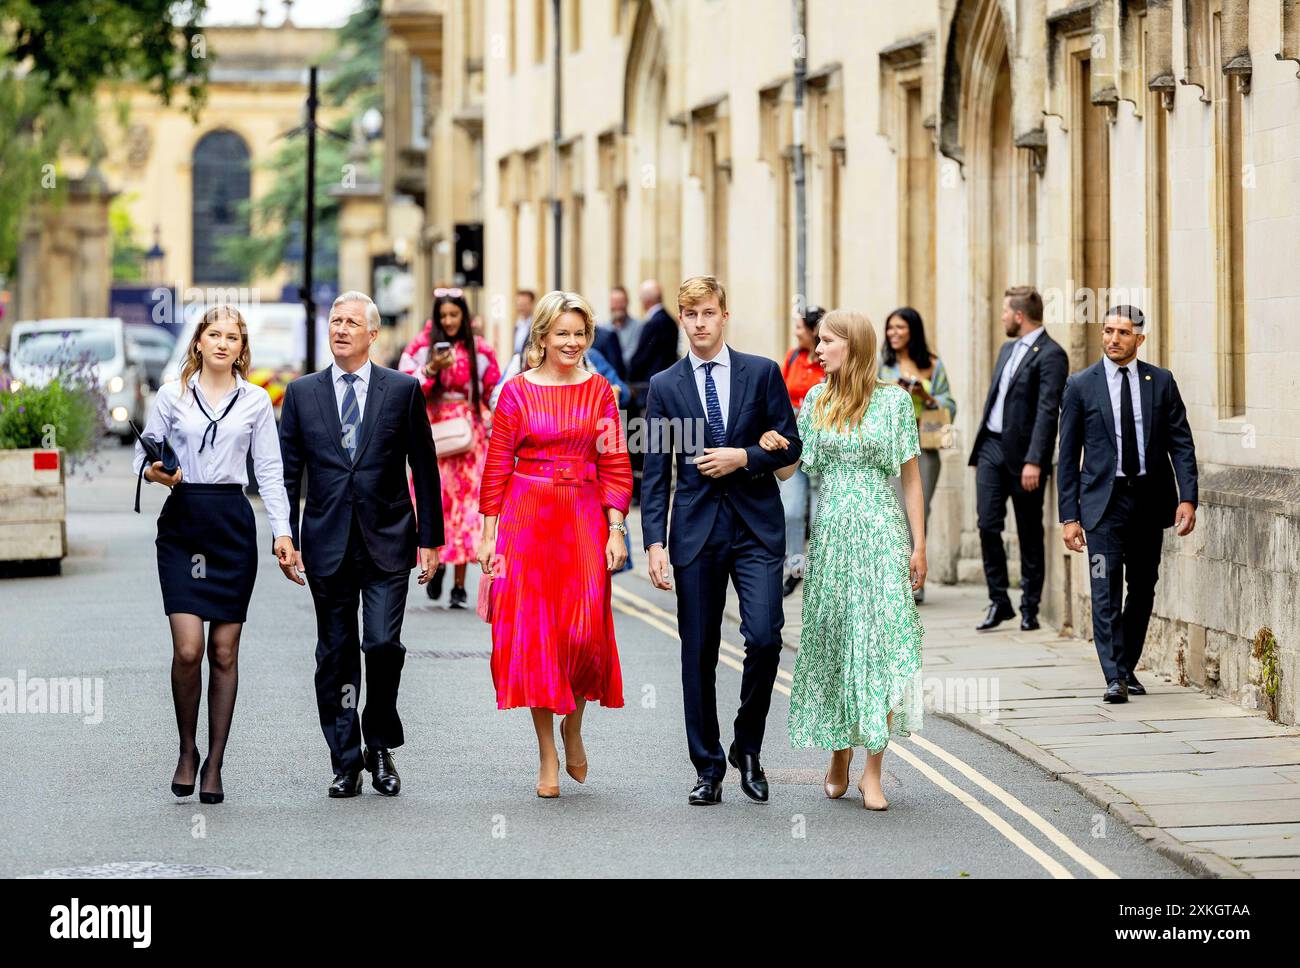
[[220, 174]]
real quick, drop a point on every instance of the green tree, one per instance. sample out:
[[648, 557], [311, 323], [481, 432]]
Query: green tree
[[128, 255], [75, 45], [276, 218], [54, 54]]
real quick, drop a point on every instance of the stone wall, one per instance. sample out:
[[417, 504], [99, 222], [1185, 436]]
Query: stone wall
[[1236, 573]]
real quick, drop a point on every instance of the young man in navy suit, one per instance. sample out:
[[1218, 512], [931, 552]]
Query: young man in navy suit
[[727, 523], [1138, 477]]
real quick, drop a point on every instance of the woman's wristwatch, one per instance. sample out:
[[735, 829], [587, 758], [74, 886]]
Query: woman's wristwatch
[[618, 526]]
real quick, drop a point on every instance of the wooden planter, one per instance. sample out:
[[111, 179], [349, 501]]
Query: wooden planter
[[33, 507]]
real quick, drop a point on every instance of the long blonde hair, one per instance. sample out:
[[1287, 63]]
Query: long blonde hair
[[549, 309], [194, 360], [844, 403]]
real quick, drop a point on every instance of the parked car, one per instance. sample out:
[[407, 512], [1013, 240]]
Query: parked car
[[151, 347], [37, 347]]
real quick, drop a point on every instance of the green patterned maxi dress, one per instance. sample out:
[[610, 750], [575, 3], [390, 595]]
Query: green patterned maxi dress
[[860, 651]]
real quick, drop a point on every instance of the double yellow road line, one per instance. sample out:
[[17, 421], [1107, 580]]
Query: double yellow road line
[[646, 611]]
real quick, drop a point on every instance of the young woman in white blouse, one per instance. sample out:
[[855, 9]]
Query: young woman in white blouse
[[207, 536]]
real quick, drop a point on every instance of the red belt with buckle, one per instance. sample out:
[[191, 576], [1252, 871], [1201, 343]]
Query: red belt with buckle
[[571, 471]]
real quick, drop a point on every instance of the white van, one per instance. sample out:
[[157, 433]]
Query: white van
[[37, 348]]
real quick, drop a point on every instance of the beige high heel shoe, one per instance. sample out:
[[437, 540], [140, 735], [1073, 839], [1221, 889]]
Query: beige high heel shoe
[[576, 770], [884, 804], [835, 791], [548, 791]]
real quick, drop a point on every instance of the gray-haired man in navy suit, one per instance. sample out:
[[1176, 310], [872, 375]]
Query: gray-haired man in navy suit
[[352, 429], [1126, 421]]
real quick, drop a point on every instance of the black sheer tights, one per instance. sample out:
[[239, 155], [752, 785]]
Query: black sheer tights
[[187, 687]]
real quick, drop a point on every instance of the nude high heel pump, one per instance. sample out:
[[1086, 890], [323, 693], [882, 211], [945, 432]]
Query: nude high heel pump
[[835, 790], [883, 803], [576, 770]]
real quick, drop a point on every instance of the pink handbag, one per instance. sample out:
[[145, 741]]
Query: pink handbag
[[497, 566], [452, 436]]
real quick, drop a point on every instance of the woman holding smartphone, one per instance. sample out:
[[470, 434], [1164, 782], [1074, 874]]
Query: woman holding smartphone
[[207, 536], [906, 360], [457, 371]]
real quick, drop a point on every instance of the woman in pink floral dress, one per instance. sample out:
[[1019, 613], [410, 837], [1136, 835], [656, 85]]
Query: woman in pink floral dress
[[457, 382]]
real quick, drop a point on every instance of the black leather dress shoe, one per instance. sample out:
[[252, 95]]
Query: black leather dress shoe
[[997, 614], [752, 778], [791, 583], [458, 597], [383, 775], [1028, 622], [1116, 692], [706, 793], [346, 784], [1135, 688]]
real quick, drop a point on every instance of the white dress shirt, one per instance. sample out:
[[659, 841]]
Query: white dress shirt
[[721, 380], [250, 424], [1115, 383], [359, 387], [1018, 353]]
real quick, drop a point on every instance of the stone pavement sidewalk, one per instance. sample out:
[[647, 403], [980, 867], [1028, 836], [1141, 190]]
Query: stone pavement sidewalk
[[1211, 785]]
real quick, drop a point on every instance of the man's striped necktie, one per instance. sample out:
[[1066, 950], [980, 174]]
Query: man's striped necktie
[[714, 408], [350, 416]]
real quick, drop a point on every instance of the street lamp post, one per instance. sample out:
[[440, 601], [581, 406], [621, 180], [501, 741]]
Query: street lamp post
[[800, 180], [154, 258], [309, 223], [557, 209]]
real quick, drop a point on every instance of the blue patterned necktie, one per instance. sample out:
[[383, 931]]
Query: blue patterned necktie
[[349, 417], [713, 407]]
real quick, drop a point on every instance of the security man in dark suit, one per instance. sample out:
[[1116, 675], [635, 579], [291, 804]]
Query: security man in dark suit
[[1138, 477], [1013, 453]]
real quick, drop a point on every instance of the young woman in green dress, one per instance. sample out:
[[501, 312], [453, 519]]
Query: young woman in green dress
[[857, 678]]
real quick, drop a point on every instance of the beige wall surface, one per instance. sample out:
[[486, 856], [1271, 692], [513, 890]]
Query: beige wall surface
[[1087, 149]]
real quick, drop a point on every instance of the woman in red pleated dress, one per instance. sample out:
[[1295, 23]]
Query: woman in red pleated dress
[[556, 518]]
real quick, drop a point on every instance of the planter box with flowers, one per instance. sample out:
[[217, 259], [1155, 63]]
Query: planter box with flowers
[[40, 429]]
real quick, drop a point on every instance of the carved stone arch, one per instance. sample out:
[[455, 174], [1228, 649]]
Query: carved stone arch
[[977, 34], [653, 144], [645, 48]]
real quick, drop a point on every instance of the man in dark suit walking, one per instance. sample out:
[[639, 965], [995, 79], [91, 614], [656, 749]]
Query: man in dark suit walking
[[1013, 453], [353, 428], [656, 348], [727, 522], [1126, 420], [656, 351], [617, 337]]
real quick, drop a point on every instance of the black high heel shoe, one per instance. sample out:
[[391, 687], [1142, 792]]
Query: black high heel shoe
[[209, 797], [183, 789]]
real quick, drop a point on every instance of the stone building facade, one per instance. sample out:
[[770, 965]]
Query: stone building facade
[[158, 161], [1105, 151]]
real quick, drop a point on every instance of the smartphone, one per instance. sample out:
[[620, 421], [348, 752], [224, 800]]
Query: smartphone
[[441, 347]]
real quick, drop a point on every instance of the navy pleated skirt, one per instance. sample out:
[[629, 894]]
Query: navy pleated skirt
[[207, 551]]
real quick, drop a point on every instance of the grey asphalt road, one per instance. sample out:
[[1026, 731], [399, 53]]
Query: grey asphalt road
[[93, 799]]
